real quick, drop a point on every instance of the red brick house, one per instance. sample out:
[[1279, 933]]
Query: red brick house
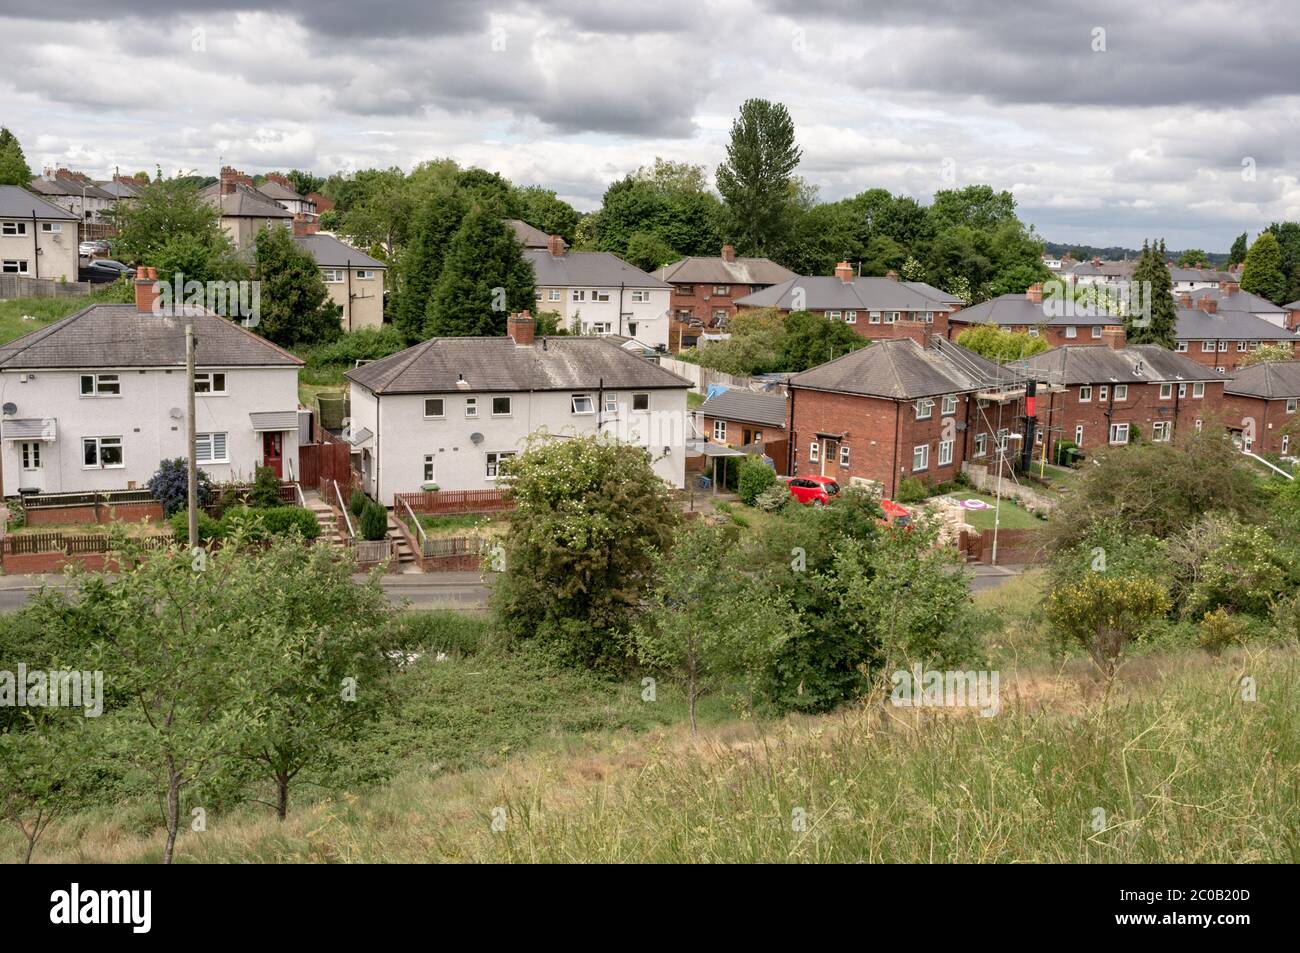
[[916, 406], [705, 290], [1059, 322], [1099, 396], [873, 306], [1261, 404], [750, 421]]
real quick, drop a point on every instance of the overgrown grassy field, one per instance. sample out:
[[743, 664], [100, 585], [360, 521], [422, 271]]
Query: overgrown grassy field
[[1172, 765], [43, 310]]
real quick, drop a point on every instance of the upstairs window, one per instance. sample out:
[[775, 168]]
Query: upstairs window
[[583, 404], [210, 382], [924, 408], [100, 385]]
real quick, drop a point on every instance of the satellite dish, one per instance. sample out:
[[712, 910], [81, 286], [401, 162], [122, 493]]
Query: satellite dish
[[476, 438], [175, 413], [10, 409]]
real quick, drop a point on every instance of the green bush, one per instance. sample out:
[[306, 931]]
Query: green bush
[[357, 503], [209, 529], [374, 521], [266, 488], [283, 520], [1219, 630], [755, 477], [774, 498], [912, 490], [438, 631]]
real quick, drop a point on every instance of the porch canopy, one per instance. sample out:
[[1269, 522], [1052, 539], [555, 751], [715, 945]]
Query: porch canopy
[[274, 420], [713, 452], [31, 428]]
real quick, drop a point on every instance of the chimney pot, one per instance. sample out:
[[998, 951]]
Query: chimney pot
[[844, 272], [1034, 293], [728, 253], [146, 289], [521, 328]]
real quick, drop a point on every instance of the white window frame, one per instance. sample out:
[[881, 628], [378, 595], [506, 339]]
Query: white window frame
[[720, 431], [611, 402], [1291, 404], [643, 399], [1198, 390], [442, 408], [554, 294], [365, 274], [1207, 347], [1103, 391], [1071, 331], [578, 294], [949, 405], [13, 229], [815, 452], [927, 405], [873, 317], [1121, 392], [1161, 431], [891, 317], [850, 317], [921, 453], [99, 444], [1078, 435], [981, 444], [52, 228], [211, 379], [945, 452], [332, 276], [15, 266], [580, 399], [599, 294], [207, 444], [1115, 431], [510, 406], [1085, 394], [1166, 391], [492, 463], [430, 467], [834, 315], [29, 451], [1180, 347], [640, 296], [844, 455], [1096, 330], [471, 406], [97, 381]]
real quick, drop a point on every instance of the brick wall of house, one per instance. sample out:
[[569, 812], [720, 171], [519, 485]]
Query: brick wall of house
[[1271, 422], [774, 438], [862, 322], [700, 301], [1229, 360], [1063, 412]]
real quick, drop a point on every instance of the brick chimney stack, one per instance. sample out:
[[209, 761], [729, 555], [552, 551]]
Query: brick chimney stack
[[1208, 305], [891, 275], [728, 253], [1034, 293], [844, 272], [1113, 336], [279, 179], [1184, 299], [521, 328], [229, 179], [146, 289], [304, 224], [555, 245], [1096, 261], [1230, 287]]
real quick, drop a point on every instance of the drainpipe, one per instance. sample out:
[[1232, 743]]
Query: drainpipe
[[789, 452], [36, 250], [349, 266], [620, 307], [893, 479]]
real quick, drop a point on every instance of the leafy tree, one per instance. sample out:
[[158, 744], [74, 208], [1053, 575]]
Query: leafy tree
[[436, 222], [13, 164], [1220, 563], [1193, 258], [541, 208], [310, 658], [484, 277], [1159, 488], [1001, 345], [756, 180], [1160, 326], [975, 206], [705, 620], [1268, 354], [1103, 612], [43, 771], [1237, 254], [295, 304], [809, 339], [648, 251], [819, 238], [668, 200], [200, 257], [1262, 273], [590, 517], [490, 189], [171, 221], [754, 346], [755, 477], [375, 206], [304, 183], [1288, 243], [170, 486]]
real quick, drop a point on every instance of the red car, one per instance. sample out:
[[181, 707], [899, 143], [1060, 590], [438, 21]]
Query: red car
[[896, 515], [816, 490]]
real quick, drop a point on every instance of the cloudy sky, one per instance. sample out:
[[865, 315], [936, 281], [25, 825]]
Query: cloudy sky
[[1110, 120]]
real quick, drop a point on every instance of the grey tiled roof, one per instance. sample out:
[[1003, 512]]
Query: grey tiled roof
[[719, 271], [274, 420], [586, 269], [823, 292], [1237, 301], [1197, 325], [1099, 364], [277, 192], [1270, 380], [498, 364], [120, 190], [747, 406], [329, 252], [16, 202], [116, 335], [528, 236], [1012, 310], [244, 202], [66, 187], [901, 369]]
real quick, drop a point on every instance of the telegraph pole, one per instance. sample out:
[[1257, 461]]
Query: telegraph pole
[[192, 468]]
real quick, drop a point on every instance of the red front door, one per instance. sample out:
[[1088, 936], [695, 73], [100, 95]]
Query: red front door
[[273, 451]]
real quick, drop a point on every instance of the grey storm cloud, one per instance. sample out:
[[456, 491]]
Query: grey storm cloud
[[1106, 52]]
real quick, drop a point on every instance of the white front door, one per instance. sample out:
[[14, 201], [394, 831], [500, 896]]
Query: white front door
[[31, 465]]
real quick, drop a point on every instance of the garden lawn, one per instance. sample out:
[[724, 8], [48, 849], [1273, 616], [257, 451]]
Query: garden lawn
[[1012, 515], [43, 310]]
